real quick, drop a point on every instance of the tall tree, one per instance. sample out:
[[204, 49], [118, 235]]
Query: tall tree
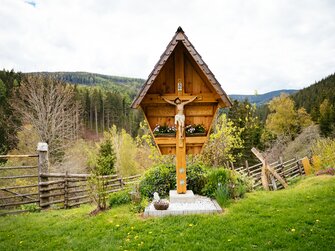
[[327, 118], [49, 105], [284, 118], [243, 115], [9, 120], [225, 138]]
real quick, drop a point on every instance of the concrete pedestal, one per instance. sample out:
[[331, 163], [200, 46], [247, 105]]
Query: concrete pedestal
[[187, 197]]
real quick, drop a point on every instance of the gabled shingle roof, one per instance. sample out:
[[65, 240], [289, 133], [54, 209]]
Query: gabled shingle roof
[[177, 38]]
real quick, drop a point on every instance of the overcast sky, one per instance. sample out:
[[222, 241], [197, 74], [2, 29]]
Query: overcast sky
[[249, 45]]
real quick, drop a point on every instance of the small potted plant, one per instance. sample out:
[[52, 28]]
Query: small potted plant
[[164, 131], [160, 204], [195, 130]]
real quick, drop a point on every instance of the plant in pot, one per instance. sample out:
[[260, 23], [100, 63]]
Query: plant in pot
[[195, 130], [164, 131]]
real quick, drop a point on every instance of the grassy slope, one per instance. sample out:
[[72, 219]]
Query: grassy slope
[[299, 218]]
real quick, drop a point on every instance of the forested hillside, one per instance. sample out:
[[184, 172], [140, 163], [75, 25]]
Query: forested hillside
[[312, 97], [100, 102], [118, 84]]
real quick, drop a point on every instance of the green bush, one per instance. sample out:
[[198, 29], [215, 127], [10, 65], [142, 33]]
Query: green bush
[[162, 179], [119, 198], [31, 207], [196, 178], [138, 207], [222, 193], [325, 148], [226, 184]]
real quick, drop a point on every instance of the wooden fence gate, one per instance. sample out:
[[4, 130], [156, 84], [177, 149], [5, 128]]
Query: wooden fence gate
[[288, 170], [19, 183], [30, 186]]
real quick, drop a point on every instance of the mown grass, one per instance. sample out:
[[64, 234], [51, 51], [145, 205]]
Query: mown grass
[[299, 218]]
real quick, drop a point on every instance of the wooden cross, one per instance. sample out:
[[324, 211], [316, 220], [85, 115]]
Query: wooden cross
[[180, 141]]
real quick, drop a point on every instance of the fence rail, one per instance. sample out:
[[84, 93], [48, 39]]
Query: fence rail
[[41, 189], [288, 170]]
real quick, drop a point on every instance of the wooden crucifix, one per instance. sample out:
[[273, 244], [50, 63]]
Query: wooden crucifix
[[179, 121], [179, 118]]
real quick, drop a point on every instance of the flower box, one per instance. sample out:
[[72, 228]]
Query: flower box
[[196, 134], [167, 135]]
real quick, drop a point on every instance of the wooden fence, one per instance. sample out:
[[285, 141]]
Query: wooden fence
[[25, 186], [288, 170]]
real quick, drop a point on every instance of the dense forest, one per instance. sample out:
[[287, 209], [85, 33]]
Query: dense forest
[[100, 102], [313, 96], [124, 85]]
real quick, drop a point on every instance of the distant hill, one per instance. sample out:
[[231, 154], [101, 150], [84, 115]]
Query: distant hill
[[311, 97], [123, 85], [130, 86], [261, 99]]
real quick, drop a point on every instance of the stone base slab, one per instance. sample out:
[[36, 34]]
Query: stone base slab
[[200, 205], [187, 197]]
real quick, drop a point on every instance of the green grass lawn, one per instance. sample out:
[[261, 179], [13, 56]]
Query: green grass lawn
[[299, 218]]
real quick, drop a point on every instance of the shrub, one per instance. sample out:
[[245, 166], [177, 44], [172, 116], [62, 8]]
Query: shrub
[[222, 193], [138, 207], [196, 177], [225, 183], [160, 179], [31, 207], [119, 198], [325, 148]]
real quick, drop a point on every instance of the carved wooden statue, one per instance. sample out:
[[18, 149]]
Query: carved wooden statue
[[179, 118]]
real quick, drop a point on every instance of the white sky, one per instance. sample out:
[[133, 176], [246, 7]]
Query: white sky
[[249, 45]]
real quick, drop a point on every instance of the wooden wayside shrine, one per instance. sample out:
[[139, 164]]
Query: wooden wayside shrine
[[181, 91]]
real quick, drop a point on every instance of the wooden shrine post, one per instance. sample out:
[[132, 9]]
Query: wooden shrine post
[[181, 164], [180, 74]]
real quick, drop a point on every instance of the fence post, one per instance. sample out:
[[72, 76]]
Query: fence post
[[43, 168], [66, 191], [247, 167], [121, 183], [299, 167], [282, 168]]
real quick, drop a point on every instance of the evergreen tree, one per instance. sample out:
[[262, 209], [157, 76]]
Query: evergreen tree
[[106, 158], [9, 120], [327, 119], [243, 115]]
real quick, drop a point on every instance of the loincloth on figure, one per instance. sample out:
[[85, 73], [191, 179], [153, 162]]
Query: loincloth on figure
[[179, 119]]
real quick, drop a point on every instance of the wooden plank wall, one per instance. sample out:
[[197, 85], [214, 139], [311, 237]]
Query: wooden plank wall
[[195, 84]]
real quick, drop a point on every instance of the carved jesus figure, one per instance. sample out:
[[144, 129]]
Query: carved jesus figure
[[179, 118]]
